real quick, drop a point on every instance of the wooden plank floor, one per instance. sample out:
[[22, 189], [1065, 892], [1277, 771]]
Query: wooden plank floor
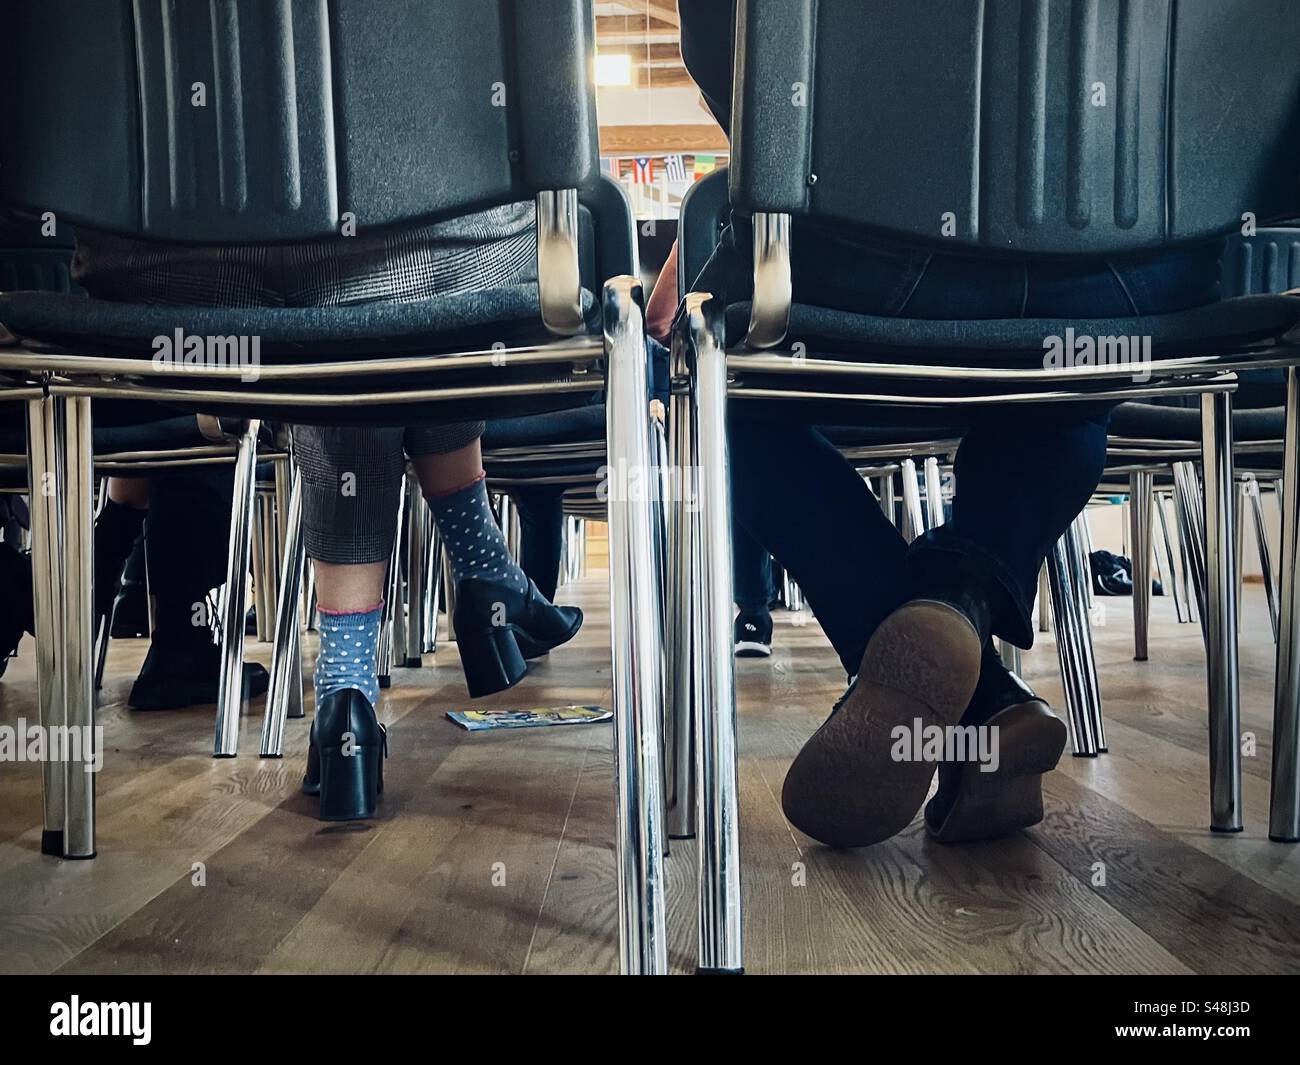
[[494, 853]]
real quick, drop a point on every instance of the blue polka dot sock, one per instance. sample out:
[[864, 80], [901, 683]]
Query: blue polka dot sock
[[472, 538], [347, 653]]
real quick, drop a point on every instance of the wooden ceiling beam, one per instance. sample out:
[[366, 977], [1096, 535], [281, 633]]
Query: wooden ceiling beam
[[662, 139]]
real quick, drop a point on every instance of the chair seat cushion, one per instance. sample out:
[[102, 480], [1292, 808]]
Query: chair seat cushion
[[578, 425], [1152, 421], [286, 334], [1215, 327]]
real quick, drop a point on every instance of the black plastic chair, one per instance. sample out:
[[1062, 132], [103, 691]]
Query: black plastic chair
[[474, 105], [986, 118]]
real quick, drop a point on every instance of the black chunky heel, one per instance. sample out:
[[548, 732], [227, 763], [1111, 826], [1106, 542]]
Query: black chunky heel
[[499, 628], [345, 762], [491, 660], [349, 783]]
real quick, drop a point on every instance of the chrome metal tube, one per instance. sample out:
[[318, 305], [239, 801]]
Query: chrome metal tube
[[261, 609], [1066, 600], [1191, 534], [1173, 583], [286, 649], [230, 688], [1221, 614], [1255, 498], [77, 498], [1139, 512], [635, 628], [44, 444], [933, 493], [680, 623], [432, 583], [913, 520], [721, 946], [888, 501], [769, 316], [1284, 796], [415, 524]]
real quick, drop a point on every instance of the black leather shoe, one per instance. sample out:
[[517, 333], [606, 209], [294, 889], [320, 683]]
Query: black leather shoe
[[179, 675], [849, 786], [345, 762], [972, 804], [498, 629]]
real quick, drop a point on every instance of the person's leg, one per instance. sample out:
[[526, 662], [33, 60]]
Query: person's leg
[[501, 619], [186, 545], [751, 580], [118, 526], [350, 483], [541, 543], [827, 530]]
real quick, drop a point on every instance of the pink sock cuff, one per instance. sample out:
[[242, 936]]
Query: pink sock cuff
[[459, 488], [345, 613]]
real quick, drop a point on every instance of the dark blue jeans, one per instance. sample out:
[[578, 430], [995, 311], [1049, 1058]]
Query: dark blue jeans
[[1023, 472]]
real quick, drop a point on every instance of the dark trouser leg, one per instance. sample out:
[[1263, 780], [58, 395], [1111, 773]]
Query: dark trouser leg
[[751, 571], [1022, 477], [541, 519], [795, 494], [185, 545]]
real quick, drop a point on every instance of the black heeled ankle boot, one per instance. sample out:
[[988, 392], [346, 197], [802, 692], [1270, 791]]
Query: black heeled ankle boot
[[183, 666], [973, 804], [498, 629], [345, 762]]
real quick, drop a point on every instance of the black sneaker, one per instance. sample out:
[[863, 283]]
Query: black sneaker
[[753, 634]]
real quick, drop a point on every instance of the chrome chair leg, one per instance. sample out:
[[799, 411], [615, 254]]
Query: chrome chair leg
[[1010, 655], [287, 648], [634, 606], [1044, 601], [44, 444], [701, 331], [1173, 584], [414, 571], [1238, 539], [77, 499], [392, 628], [1191, 534], [432, 583], [681, 622], [885, 495], [1221, 613], [913, 520], [791, 593], [230, 688], [1139, 512], [1073, 650], [1255, 498], [1284, 796], [933, 493], [261, 600]]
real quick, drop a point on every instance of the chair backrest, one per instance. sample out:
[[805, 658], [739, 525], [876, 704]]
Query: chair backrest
[[268, 120], [1031, 127]]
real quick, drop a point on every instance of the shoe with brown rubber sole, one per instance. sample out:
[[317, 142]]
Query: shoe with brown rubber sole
[[1030, 741], [844, 788]]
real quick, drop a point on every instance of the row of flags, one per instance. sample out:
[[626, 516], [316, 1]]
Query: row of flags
[[642, 170]]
